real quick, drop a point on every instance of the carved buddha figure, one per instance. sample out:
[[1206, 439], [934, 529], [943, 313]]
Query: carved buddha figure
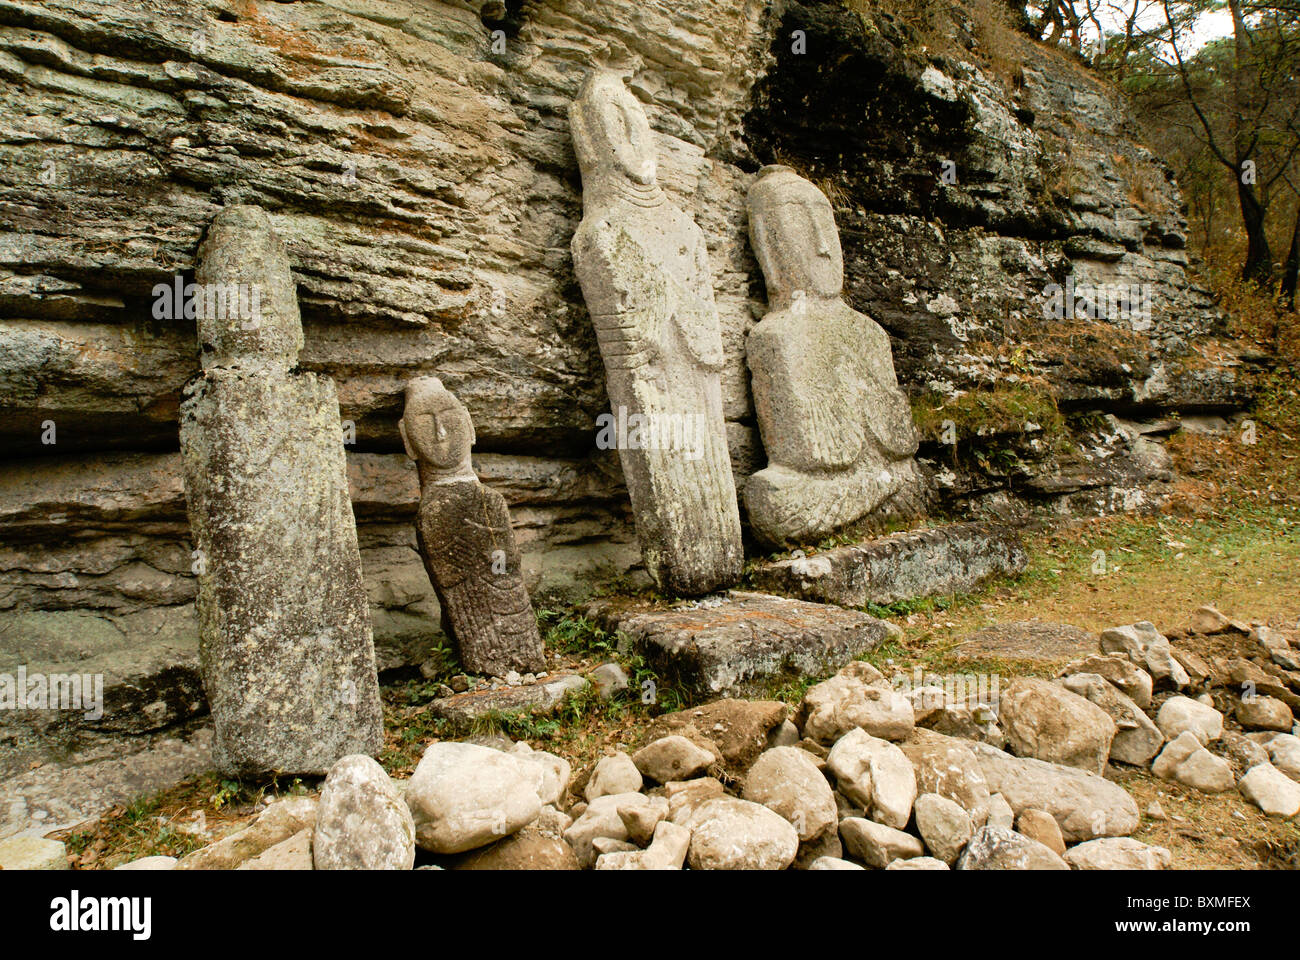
[[837, 428], [465, 538], [644, 270]]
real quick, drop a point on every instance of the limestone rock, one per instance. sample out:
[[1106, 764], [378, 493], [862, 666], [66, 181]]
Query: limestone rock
[[1146, 647], [602, 819], [1137, 739], [672, 758], [1209, 620], [1000, 812], [835, 863], [33, 853], [877, 845], [1128, 678], [150, 863], [948, 767], [1117, 853], [1184, 759], [1284, 752], [276, 824], [616, 774], [918, 863], [787, 781], [667, 851], [528, 849], [466, 541], [644, 270], [1264, 713], [732, 645], [1271, 790], [1276, 647], [826, 845], [1085, 805], [944, 826], [997, 848], [292, 854], [362, 822], [737, 730], [832, 708], [464, 796], [684, 796], [609, 679], [875, 774], [1042, 826], [642, 820], [1179, 714], [731, 834], [1049, 722], [287, 650], [555, 771], [935, 561], [1241, 751]]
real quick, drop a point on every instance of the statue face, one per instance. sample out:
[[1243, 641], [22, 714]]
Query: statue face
[[792, 229], [436, 428], [611, 130]]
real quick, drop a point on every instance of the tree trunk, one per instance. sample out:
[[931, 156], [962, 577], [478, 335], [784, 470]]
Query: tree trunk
[[1259, 259], [1292, 268]]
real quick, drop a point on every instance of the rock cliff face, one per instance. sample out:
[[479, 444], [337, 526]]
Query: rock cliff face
[[415, 157]]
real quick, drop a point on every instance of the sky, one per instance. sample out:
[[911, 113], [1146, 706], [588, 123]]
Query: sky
[[1209, 26]]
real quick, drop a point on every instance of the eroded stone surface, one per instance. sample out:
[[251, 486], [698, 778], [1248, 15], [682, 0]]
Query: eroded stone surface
[[729, 645], [286, 648], [954, 558]]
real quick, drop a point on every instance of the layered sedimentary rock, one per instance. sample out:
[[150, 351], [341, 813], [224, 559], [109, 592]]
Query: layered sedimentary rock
[[420, 170], [285, 645], [837, 429], [644, 270], [466, 539]]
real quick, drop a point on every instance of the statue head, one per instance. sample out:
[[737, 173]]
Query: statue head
[[611, 135], [792, 230], [245, 302], [436, 428]]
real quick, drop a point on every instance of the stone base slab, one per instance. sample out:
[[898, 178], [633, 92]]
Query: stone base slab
[[732, 644], [955, 558]]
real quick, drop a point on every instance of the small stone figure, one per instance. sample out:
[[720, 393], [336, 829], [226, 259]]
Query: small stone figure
[[285, 642], [465, 538], [837, 428], [644, 270]]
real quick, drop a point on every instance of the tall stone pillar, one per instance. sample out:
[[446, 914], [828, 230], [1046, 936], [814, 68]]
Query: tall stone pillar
[[644, 270], [286, 649]]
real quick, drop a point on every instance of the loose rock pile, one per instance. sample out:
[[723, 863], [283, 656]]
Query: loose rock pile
[[862, 775]]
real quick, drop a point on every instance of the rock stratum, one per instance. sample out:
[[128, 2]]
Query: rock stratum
[[415, 157]]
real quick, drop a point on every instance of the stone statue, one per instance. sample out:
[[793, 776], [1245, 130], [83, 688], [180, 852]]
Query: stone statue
[[644, 271], [837, 428], [285, 642], [465, 538]]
